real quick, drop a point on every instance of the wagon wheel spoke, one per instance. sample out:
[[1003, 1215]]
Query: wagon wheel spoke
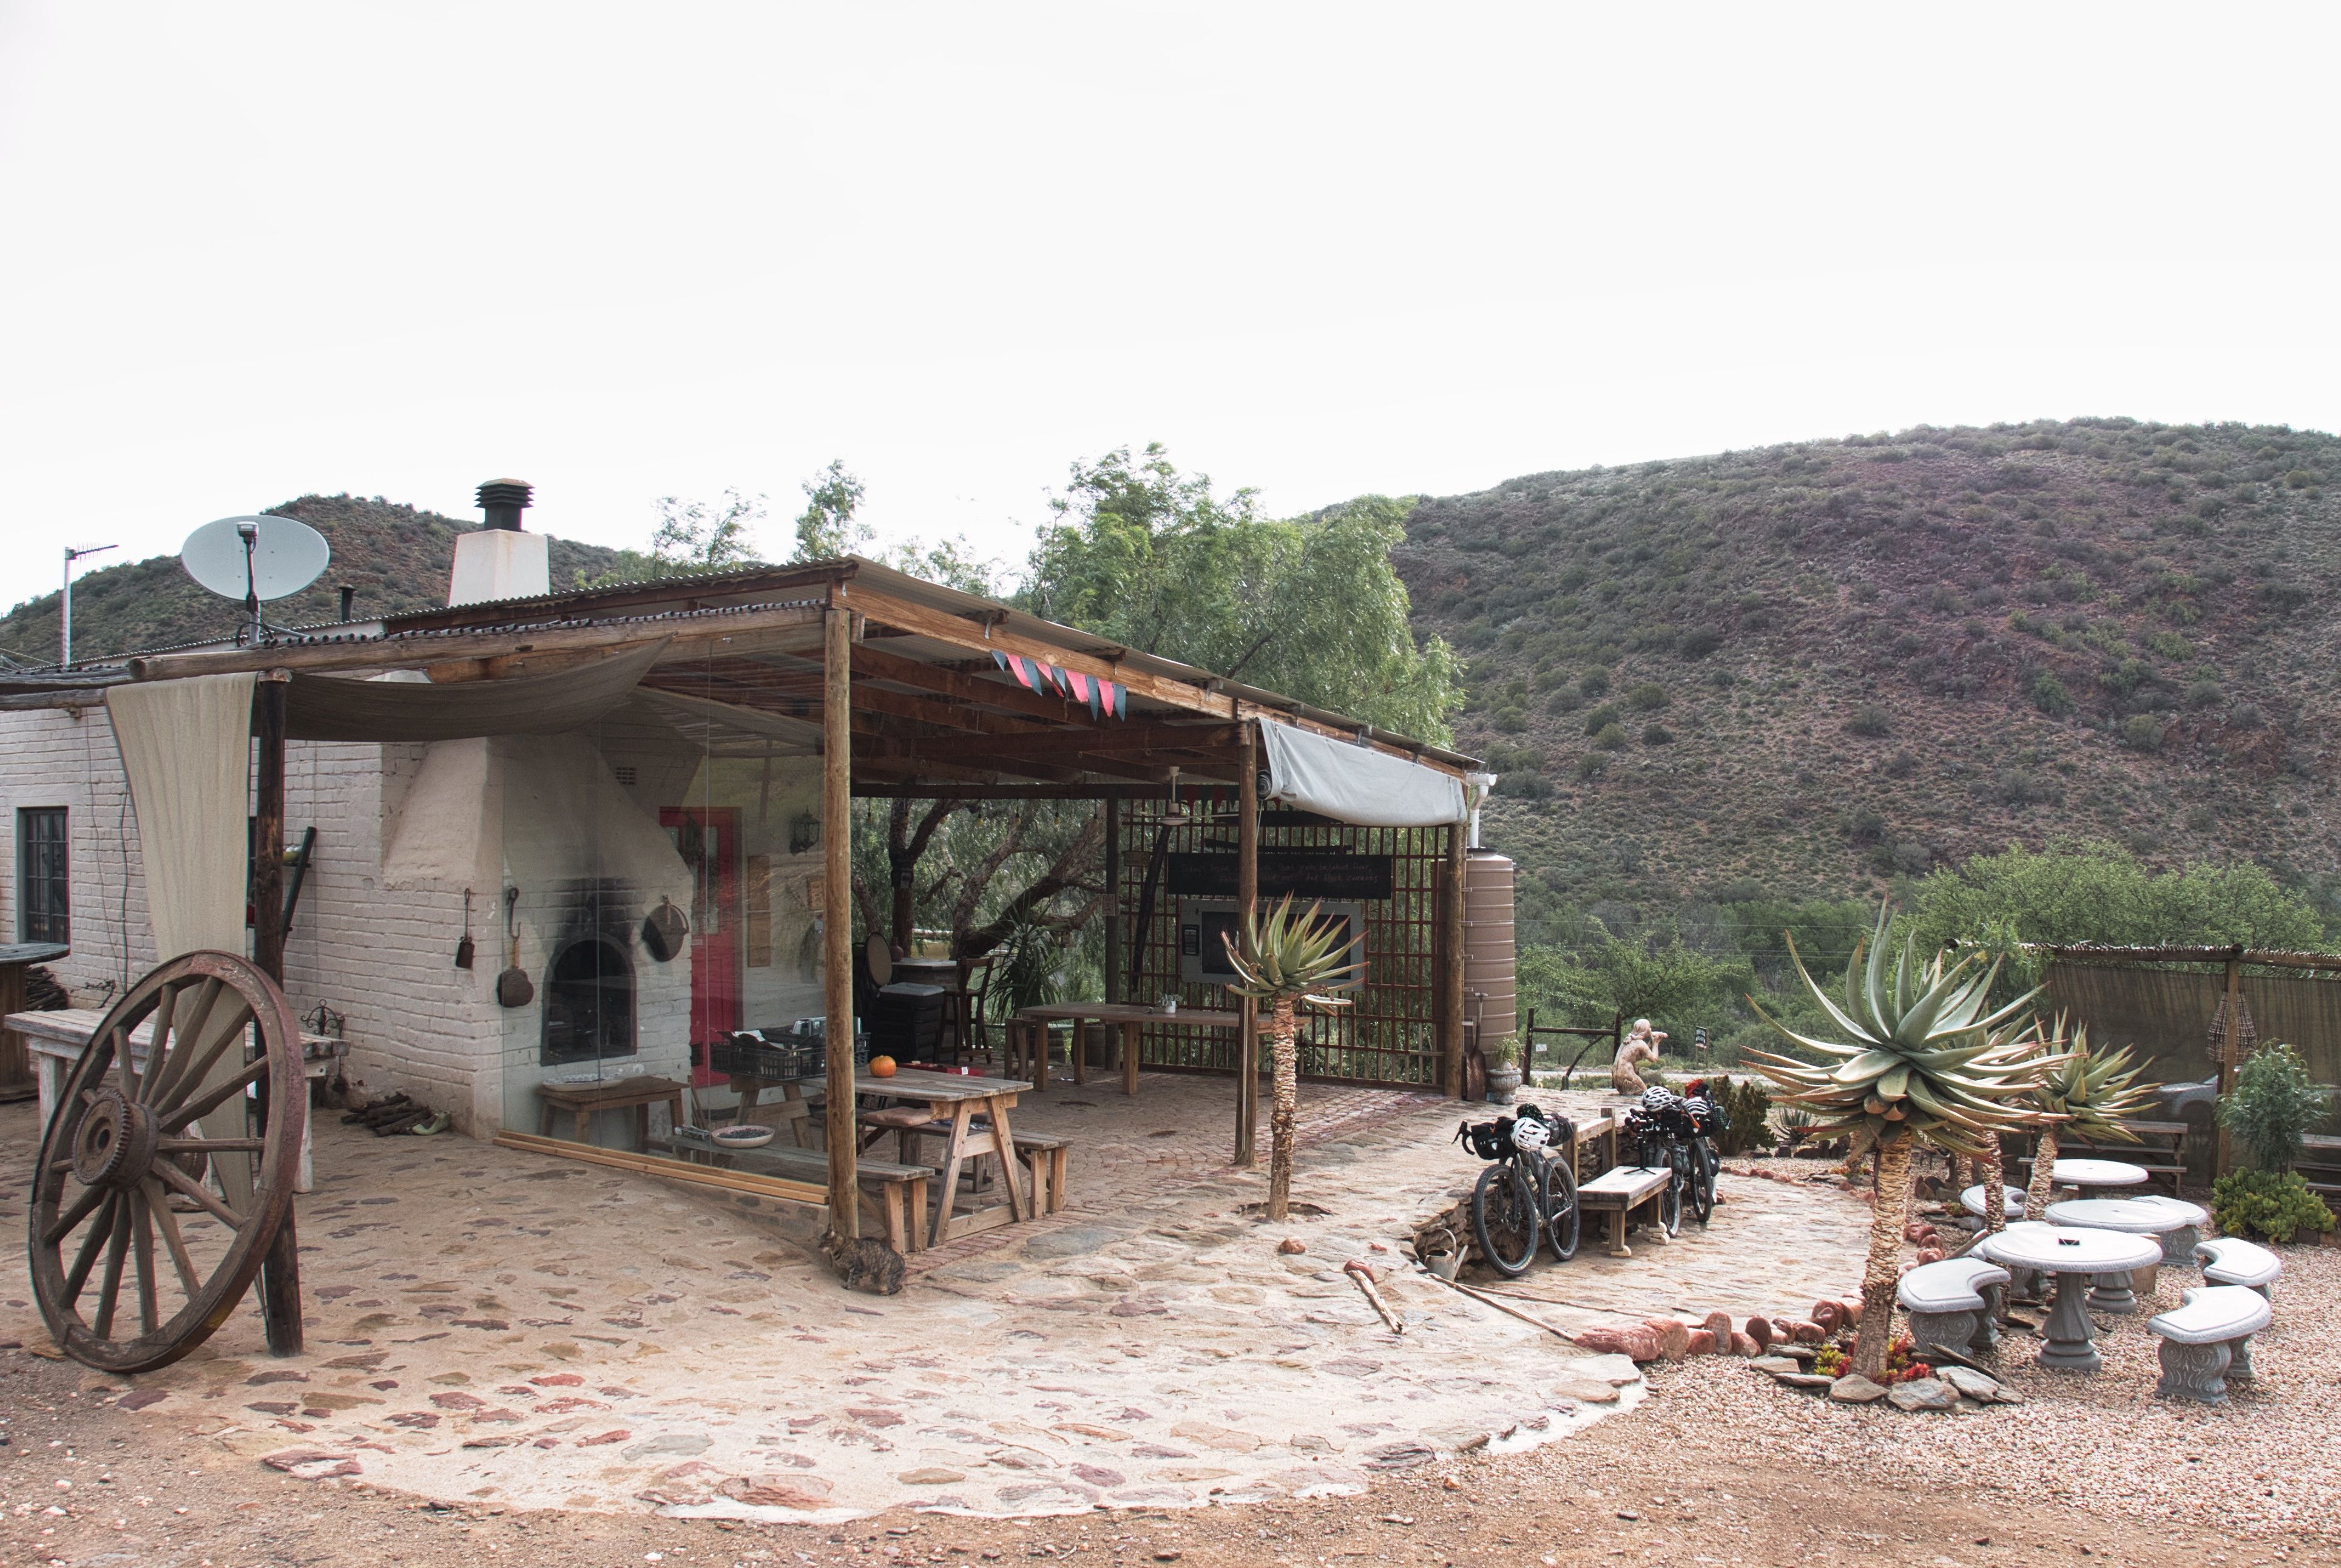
[[203, 1106], [158, 1204], [133, 1084], [109, 1284], [199, 1193], [209, 1146], [161, 1078], [210, 1049], [142, 1245], [78, 1275], [62, 1225]]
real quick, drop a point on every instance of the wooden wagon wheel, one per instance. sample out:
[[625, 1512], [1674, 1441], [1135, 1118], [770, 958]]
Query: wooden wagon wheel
[[136, 1163]]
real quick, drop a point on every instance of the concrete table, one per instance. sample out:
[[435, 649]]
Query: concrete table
[[2074, 1257], [2089, 1174], [2165, 1221]]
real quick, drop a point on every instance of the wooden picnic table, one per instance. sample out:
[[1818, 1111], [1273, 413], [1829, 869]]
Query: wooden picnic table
[[1027, 1033], [54, 1041], [958, 1099]]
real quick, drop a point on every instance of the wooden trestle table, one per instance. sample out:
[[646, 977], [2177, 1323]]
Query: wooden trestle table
[[1027, 1033]]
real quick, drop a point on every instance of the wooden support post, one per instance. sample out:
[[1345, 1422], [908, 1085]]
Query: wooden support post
[[1247, 911], [1449, 950], [2222, 1152], [1113, 900], [280, 1275], [837, 911]]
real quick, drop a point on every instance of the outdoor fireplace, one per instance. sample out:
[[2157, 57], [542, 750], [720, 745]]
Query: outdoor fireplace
[[589, 1004]]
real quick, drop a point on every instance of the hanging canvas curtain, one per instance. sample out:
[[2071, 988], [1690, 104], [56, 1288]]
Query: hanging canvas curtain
[[186, 746]]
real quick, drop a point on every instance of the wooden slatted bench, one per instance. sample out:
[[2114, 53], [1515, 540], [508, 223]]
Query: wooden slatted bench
[[1615, 1193], [2320, 1164], [902, 1190], [1047, 1158], [2160, 1150]]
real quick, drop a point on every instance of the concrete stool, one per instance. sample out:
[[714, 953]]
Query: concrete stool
[[2207, 1341], [2232, 1261], [1948, 1305]]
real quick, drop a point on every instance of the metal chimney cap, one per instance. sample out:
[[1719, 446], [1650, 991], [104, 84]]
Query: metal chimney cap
[[502, 501]]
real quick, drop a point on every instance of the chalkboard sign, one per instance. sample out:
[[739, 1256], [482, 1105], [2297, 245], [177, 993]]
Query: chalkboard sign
[[1304, 874]]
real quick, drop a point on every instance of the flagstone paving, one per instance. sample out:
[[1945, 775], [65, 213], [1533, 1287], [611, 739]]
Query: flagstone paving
[[489, 1325]]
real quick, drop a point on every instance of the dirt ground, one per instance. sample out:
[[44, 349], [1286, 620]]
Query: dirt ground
[[1650, 1487]]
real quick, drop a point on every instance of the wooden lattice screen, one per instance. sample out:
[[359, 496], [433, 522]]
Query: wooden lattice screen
[[1386, 1038]]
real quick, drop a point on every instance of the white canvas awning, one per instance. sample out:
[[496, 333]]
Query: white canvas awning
[[1355, 784]]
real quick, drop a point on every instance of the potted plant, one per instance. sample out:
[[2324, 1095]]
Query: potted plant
[[1503, 1058]]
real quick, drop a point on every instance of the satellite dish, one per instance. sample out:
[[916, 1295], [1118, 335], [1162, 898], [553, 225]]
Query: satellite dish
[[261, 557]]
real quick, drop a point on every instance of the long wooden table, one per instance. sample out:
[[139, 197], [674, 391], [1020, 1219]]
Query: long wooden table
[[55, 1040], [1027, 1033], [958, 1100], [16, 1069]]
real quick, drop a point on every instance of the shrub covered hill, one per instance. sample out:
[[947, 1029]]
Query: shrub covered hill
[[396, 558], [1807, 671]]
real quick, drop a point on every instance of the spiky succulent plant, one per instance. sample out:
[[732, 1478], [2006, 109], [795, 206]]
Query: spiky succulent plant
[[1289, 958], [1923, 1052], [2084, 1093]]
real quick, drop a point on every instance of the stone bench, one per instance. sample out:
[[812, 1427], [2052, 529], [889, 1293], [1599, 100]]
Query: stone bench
[[2207, 1341], [1615, 1193], [1972, 1202], [1949, 1303], [2232, 1261]]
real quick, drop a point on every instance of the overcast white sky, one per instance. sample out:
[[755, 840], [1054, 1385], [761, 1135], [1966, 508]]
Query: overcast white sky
[[627, 251]]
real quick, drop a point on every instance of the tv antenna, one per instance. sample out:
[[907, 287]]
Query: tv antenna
[[255, 558], [65, 602]]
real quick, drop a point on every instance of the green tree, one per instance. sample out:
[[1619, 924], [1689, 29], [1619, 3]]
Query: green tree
[[692, 538], [827, 528], [2101, 893], [1158, 561]]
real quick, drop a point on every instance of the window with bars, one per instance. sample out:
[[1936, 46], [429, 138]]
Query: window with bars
[[43, 908]]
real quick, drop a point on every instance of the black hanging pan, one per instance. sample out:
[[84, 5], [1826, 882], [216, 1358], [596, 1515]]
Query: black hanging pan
[[665, 930], [513, 987], [463, 949]]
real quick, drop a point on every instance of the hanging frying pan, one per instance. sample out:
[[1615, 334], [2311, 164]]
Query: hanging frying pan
[[665, 930], [463, 949], [513, 988]]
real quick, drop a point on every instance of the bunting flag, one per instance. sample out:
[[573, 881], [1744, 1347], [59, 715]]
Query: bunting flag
[[1105, 698]]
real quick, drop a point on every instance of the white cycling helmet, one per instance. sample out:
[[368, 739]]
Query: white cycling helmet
[[1655, 1098], [1696, 1106], [1527, 1132]]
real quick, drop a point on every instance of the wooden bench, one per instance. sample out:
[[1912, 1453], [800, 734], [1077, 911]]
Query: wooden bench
[[2209, 1341], [902, 1190], [1615, 1193], [1046, 1160], [2320, 1164], [2160, 1150]]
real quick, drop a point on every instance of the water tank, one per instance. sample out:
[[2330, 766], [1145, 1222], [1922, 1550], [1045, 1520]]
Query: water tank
[[1490, 985]]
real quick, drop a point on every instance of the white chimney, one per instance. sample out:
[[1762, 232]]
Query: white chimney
[[499, 561]]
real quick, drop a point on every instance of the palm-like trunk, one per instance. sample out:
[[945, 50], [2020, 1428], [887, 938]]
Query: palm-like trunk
[[2044, 1175], [1282, 1028], [1994, 1188], [1883, 1270]]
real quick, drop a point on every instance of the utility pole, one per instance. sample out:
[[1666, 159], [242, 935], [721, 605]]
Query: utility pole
[[64, 603]]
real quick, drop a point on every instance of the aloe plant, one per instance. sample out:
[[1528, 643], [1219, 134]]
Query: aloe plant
[[2093, 1095], [1924, 1056], [1286, 960]]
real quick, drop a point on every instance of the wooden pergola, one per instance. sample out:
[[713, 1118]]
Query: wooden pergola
[[904, 689]]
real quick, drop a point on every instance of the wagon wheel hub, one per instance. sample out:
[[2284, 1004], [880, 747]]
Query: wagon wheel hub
[[114, 1145]]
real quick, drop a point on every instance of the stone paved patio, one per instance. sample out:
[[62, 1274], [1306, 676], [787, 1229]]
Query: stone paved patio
[[489, 1325]]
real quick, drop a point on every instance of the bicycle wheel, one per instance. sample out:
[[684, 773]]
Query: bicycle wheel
[[1559, 1203], [1504, 1218], [1670, 1196], [1698, 1183]]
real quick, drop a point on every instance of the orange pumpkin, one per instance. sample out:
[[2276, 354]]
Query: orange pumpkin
[[882, 1066]]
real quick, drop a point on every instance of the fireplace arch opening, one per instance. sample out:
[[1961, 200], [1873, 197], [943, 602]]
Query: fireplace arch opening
[[589, 1002]]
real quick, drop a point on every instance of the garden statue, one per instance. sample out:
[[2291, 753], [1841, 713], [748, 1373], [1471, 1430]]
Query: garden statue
[[1641, 1045]]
